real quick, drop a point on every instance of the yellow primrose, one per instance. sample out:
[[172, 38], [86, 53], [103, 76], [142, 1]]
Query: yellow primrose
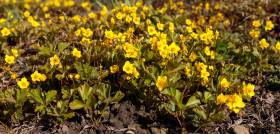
[[13, 75], [36, 76], [187, 71], [277, 46], [161, 82], [174, 49], [256, 23], [128, 67], [87, 32], [207, 51], [204, 74], [43, 77], [55, 60], [160, 26], [225, 83], [15, 52], [77, 76], [9, 59], [235, 102], [263, 43], [114, 68], [109, 34], [5, 31], [76, 53], [193, 56], [254, 33], [269, 25], [151, 30], [221, 98], [23, 83], [248, 90]]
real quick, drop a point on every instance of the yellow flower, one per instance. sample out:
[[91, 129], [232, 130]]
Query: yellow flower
[[212, 55], [55, 60], [171, 27], [114, 68], [151, 30], [277, 46], [136, 20], [256, 23], [109, 34], [36, 76], [136, 73], [34, 23], [91, 15], [187, 71], [188, 22], [70, 76], [13, 75], [77, 76], [43, 77], [160, 26], [263, 43], [269, 25], [5, 31], [76, 53], [119, 16], [161, 82], [15, 52], [26, 14], [207, 51], [78, 32], [225, 83], [174, 49], [9, 59], [87, 32], [23, 83], [248, 90], [221, 98], [128, 67], [47, 15], [193, 56], [204, 74], [235, 102], [255, 33]]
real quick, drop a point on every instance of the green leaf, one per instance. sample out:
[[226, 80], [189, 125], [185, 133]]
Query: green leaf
[[91, 101], [200, 112], [85, 91], [39, 108], [62, 46], [118, 96], [50, 96], [36, 95], [217, 117], [69, 115], [192, 102], [76, 104], [207, 95], [150, 54]]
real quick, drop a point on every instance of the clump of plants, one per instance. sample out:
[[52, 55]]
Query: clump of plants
[[191, 60]]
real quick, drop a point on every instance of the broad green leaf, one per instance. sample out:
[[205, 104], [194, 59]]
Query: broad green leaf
[[192, 102], [76, 104], [118, 96], [91, 101], [207, 95], [217, 117], [85, 91], [36, 95], [200, 112], [39, 108], [50, 96]]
